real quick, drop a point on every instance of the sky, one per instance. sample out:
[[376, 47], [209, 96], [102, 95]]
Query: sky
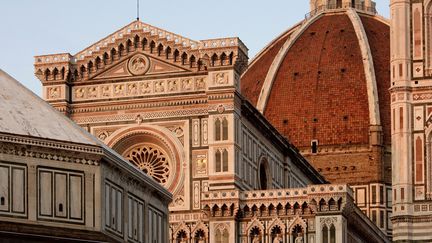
[[39, 27]]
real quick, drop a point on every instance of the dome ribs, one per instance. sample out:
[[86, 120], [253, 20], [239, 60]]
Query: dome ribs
[[253, 79], [378, 34], [316, 100]]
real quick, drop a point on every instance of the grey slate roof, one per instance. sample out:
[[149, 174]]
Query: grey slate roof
[[24, 113]]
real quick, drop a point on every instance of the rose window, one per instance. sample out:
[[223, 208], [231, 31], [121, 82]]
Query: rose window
[[152, 161]]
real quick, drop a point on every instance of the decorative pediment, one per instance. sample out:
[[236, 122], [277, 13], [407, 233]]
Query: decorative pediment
[[138, 64], [166, 52]]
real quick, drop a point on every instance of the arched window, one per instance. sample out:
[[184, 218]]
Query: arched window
[[168, 52], [276, 234], [263, 176], [217, 130], [222, 237], [105, 58], [181, 237], [144, 44], [224, 129], [152, 46], [113, 54], [332, 234], [225, 160], [221, 160], [200, 236], [218, 158], [136, 41], [221, 129], [160, 49], [176, 55], [213, 60], [121, 50], [129, 46], [223, 59], [325, 234], [184, 58], [225, 236]]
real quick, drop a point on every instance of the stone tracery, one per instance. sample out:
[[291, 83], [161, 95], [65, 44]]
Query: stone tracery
[[152, 160]]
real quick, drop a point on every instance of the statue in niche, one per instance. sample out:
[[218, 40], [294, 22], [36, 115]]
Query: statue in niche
[[299, 239], [256, 239]]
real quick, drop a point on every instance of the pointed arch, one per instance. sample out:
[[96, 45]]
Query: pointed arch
[[55, 73], [113, 54], [98, 63], [152, 46], [223, 59], [136, 41], [231, 58], [192, 61], [176, 55], [121, 50], [297, 221], [184, 58], [167, 52], [47, 74], [160, 49], [129, 45], [214, 59], [144, 44], [105, 58]]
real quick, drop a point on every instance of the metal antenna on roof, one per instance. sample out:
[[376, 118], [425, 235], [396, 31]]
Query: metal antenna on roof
[[137, 9]]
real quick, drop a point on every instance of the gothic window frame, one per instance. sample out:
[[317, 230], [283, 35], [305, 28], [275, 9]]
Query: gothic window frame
[[221, 160], [221, 129]]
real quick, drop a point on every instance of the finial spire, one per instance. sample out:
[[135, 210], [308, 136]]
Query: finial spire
[[138, 10]]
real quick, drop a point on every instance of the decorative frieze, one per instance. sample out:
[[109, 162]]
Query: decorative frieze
[[145, 116], [139, 88]]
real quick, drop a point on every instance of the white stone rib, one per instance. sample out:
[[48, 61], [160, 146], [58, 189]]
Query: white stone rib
[[368, 64], [277, 61]]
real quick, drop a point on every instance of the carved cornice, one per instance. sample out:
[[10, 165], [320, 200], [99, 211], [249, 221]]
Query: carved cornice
[[143, 116], [48, 154], [17, 139], [97, 107]]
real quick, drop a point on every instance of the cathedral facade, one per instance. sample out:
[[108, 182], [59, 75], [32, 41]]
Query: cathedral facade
[[174, 108]]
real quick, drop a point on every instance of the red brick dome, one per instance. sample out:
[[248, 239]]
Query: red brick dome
[[325, 79]]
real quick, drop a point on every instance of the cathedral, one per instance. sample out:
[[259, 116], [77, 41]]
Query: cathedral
[[324, 136]]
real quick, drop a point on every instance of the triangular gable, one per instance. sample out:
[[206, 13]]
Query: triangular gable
[[138, 65], [133, 27]]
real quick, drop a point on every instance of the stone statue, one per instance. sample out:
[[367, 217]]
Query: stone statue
[[299, 239], [277, 239], [256, 239]]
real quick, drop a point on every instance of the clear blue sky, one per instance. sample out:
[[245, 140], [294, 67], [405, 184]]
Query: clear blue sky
[[36, 27]]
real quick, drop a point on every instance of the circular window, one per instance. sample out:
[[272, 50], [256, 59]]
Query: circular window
[[152, 160]]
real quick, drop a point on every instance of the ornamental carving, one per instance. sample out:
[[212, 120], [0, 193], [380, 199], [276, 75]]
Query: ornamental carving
[[138, 65], [54, 93], [152, 161]]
